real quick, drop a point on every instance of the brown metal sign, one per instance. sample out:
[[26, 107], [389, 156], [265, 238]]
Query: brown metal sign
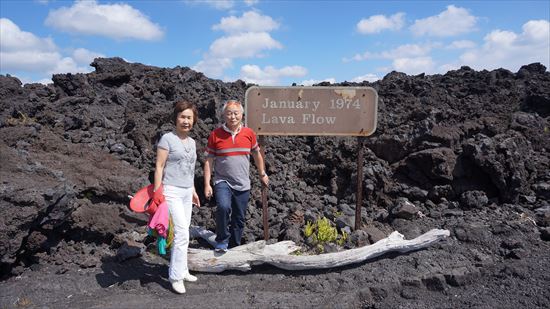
[[349, 111]]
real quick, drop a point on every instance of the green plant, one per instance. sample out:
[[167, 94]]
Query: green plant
[[342, 239], [21, 119], [309, 229], [23, 302], [323, 231], [319, 248], [88, 195]]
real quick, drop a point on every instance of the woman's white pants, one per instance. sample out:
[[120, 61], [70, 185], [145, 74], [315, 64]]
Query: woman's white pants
[[180, 205]]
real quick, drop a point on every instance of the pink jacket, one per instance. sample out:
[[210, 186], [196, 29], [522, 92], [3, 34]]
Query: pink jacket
[[160, 219]]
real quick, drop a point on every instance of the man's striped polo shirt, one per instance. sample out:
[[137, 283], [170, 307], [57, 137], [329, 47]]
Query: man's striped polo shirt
[[231, 153]]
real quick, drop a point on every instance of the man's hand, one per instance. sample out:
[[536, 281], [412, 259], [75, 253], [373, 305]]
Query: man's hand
[[208, 191], [265, 180]]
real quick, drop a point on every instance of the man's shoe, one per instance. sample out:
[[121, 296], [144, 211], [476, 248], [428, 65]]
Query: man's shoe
[[190, 278], [178, 286], [220, 247]]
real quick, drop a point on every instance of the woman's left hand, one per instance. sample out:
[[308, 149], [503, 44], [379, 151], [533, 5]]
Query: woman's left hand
[[196, 200]]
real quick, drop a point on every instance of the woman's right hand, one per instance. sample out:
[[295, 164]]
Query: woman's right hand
[[158, 196], [208, 192]]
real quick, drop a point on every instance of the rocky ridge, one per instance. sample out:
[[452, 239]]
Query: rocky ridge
[[466, 151]]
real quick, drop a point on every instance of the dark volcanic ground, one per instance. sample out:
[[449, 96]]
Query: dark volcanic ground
[[466, 151]]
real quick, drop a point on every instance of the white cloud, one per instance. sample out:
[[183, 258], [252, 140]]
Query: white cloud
[[408, 50], [213, 67], [23, 52], [84, 56], [414, 65], [509, 50], [29, 61], [243, 45], [28, 80], [248, 37], [249, 22], [360, 57], [462, 44], [453, 21], [367, 77], [448, 67], [217, 4], [68, 65], [536, 31], [501, 38], [12, 38], [402, 51], [378, 23], [220, 4], [44, 81], [118, 21], [309, 82], [251, 2], [269, 75]]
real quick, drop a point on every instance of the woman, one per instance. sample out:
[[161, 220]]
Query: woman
[[175, 171]]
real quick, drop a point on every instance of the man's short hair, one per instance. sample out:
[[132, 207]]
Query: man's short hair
[[231, 103]]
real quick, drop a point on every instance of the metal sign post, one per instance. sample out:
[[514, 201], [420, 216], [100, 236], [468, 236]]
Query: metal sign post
[[359, 194], [265, 214]]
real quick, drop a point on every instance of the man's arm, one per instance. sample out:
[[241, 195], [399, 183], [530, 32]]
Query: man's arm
[[259, 161], [208, 164]]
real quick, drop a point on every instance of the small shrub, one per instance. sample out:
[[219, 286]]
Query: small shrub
[[322, 232], [319, 248], [309, 229], [342, 239], [325, 231], [21, 119], [23, 302]]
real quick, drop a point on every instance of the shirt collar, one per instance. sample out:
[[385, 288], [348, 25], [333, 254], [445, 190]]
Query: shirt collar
[[233, 132]]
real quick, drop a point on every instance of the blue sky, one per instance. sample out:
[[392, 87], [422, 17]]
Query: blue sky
[[274, 42]]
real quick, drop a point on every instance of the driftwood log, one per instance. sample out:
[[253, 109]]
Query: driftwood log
[[279, 254]]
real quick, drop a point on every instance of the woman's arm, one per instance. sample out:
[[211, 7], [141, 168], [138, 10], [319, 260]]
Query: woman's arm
[[162, 156], [195, 200]]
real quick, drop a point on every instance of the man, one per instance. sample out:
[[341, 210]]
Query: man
[[228, 152]]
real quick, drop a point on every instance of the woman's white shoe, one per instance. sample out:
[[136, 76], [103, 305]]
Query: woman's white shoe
[[178, 286], [190, 278]]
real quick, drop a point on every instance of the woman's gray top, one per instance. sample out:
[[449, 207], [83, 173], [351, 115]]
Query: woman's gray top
[[179, 170]]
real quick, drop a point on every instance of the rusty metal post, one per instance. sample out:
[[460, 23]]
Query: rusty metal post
[[265, 213], [359, 194]]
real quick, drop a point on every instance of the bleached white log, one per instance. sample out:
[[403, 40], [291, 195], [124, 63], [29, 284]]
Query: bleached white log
[[278, 254]]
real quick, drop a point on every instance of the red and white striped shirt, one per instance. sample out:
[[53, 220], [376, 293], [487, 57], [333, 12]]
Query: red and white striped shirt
[[231, 153]]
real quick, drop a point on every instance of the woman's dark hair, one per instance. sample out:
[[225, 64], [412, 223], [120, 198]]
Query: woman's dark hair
[[183, 105]]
